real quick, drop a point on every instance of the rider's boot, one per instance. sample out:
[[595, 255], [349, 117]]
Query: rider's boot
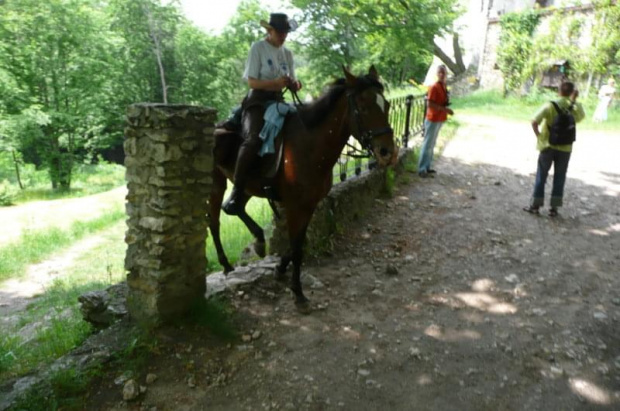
[[235, 203]]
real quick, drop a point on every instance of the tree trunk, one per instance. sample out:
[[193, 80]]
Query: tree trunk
[[458, 54], [454, 67], [19, 180], [158, 53], [590, 77]]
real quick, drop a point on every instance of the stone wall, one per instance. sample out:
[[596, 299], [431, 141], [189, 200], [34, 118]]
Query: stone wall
[[344, 204], [168, 163], [488, 71]]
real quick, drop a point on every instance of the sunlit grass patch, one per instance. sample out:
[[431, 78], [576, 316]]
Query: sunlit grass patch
[[87, 179], [234, 234], [523, 108], [35, 245]]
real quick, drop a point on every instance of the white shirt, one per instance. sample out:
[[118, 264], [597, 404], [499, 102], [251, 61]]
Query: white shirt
[[266, 62]]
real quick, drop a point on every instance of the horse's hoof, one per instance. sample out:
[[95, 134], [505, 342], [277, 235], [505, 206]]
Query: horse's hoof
[[260, 249], [303, 307], [228, 269]]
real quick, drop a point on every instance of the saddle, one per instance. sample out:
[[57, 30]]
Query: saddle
[[227, 142]]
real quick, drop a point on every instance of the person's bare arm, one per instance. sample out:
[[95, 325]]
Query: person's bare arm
[[439, 107], [269, 85], [535, 128]]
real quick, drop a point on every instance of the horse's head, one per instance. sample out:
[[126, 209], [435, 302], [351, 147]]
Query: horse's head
[[368, 117]]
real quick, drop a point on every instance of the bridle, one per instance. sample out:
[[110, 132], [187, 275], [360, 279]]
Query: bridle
[[364, 136]]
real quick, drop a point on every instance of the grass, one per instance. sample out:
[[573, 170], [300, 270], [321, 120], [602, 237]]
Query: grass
[[65, 391], [234, 234], [55, 317], [492, 103], [35, 245], [87, 179]]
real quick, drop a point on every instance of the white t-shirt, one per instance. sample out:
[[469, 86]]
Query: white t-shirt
[[266, 62]]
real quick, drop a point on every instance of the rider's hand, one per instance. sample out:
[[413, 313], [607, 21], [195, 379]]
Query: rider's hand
[[282, 82], [295, 85], [449, 111]]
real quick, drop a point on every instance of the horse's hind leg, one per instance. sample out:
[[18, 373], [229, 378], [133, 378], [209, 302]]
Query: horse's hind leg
[[215, 205], [255, 229]]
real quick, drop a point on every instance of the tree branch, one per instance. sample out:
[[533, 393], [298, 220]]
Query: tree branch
[[454, 68]]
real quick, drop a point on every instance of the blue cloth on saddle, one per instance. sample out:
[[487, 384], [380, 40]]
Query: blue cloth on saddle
[[275, 114]]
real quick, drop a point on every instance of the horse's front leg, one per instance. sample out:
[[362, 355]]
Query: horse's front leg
[[256, 230], [215, 203], [281, 268], [298, 225]]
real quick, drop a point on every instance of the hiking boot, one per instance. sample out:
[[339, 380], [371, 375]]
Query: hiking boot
[[234, 204], [425, 174]]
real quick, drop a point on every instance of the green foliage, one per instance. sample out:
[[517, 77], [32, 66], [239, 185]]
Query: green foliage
[[8, 193], [64, 331], [390, 182], [515, 46], [396, 36], [604, 54], [523, 58], [8, 346]]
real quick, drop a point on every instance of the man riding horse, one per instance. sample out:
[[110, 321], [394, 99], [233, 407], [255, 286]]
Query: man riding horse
[[311, 142], [269, 70]]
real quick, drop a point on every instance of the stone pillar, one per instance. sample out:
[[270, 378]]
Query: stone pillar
[[168, 159]]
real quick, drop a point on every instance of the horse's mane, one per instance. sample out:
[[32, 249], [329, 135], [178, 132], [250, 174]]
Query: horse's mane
[[314, 113]]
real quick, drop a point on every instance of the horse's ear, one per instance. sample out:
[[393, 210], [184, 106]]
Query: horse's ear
[[351, 79], [372, 72]]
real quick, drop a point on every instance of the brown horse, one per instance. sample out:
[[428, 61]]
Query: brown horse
[[313, 140]]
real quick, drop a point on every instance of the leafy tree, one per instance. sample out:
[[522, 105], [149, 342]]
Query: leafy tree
[[603, 57], [56, 52], [210, 67], [558, 43], [397, 36], [515, 47]]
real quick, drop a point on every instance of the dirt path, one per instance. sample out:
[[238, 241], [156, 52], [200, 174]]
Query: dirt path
[[17, 293], [55, 213], [490, 309]]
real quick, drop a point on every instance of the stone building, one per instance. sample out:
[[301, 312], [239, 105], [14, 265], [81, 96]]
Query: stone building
[[488, 73]]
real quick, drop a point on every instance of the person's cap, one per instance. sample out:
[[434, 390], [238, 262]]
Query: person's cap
[[280, 22]]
